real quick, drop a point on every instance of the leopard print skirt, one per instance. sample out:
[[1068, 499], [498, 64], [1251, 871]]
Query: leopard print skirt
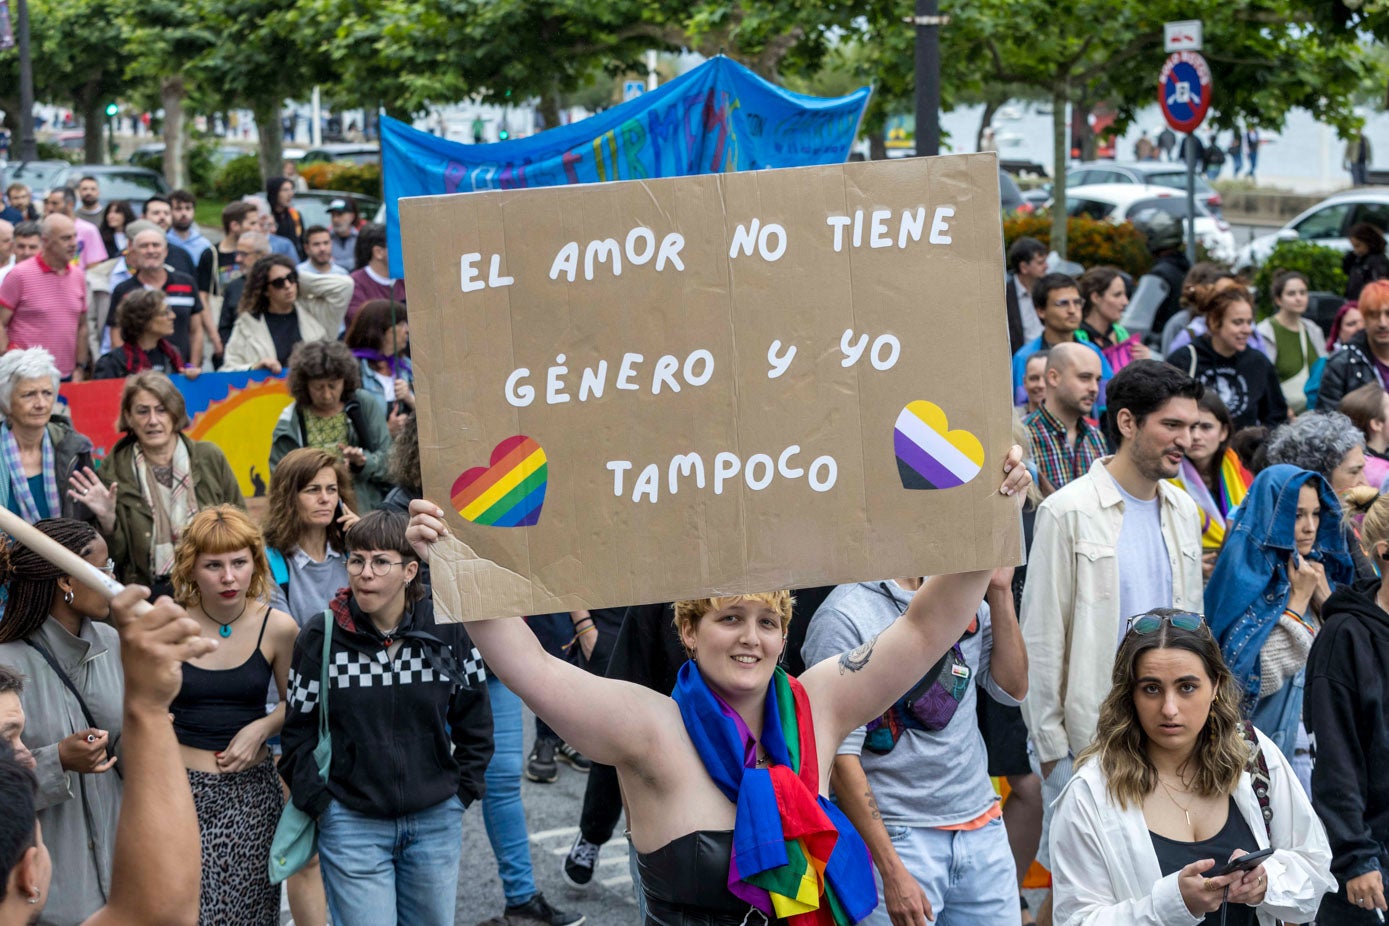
[[237, 813]]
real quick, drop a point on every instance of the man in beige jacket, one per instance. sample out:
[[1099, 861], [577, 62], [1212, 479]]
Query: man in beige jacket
[[1115, 542]]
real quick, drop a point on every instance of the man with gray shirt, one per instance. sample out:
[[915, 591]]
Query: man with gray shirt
[[915, 782]]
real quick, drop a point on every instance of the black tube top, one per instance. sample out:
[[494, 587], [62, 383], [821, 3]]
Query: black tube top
[[686, 883]]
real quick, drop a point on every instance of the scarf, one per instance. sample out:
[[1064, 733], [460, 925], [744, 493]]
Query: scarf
[[1233, 486], [172, 508], [137, 360], [19, 484], [396, 363], [795, 855]]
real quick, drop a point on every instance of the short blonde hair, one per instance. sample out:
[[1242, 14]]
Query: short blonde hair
[[216, 531], [689, 613]]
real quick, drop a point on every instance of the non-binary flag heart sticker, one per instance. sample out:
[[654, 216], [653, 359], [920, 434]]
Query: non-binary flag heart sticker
[[510, 491], [929, 454]]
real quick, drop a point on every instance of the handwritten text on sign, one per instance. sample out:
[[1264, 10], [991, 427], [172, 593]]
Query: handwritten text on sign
[[643, 391]]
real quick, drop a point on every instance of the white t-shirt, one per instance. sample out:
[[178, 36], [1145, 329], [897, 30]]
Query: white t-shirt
[[1145, 572]]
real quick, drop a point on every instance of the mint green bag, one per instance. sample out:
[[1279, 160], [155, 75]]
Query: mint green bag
[[296, 835]]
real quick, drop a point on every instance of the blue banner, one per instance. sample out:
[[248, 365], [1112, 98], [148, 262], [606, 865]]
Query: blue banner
[[718, 117]]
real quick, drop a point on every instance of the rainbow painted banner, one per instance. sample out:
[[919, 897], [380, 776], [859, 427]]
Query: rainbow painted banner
[[235, 411]]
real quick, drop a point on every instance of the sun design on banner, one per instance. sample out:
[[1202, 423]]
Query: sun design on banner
[[242, 424]]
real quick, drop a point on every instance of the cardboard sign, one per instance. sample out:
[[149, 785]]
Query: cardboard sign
[[655, 390]]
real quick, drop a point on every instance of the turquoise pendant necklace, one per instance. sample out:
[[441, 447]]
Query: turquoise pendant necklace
[[224, 630]]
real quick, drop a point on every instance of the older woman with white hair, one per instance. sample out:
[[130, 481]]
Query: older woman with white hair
[[1328, 443], [39, 449]]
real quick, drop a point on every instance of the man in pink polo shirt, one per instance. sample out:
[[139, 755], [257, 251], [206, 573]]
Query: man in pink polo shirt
[[90, 248], [43, 300]]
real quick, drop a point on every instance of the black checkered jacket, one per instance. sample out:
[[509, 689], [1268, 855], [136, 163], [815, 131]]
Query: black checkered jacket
[[407, 731]]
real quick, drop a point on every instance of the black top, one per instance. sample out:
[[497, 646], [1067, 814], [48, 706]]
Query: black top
[[1173, 856], [215, 704], [1246, 382], [686, 882], [284, 331], [181, 295]]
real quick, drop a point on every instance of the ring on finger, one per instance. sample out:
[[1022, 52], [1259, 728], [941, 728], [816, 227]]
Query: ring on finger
[[1209, 885]]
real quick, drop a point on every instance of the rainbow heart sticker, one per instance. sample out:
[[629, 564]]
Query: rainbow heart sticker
[[509, 491], [929, 454]]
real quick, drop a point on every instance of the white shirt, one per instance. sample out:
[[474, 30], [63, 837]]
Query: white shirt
[[1031, 324], [1145, 572], [1105, 871], [306, 266]]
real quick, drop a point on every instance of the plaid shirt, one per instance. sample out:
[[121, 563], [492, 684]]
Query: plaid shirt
[[1058, 462]]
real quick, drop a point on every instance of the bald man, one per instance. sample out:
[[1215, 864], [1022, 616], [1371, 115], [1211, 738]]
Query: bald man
[[1065, 440], [43, 302]]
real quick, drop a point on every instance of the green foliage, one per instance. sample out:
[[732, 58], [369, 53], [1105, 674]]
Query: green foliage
[[1321, 266], [202, 167], [1092, 242], [238, 177]]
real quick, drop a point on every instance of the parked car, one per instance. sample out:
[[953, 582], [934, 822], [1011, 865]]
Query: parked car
[[38, 176], [1326, 224], [352, 154], [1149, 173], [313, 206], [152, 156], [1121, 202]]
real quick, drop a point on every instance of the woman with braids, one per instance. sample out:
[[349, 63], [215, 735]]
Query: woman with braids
[[146, 324], [280, 307], [222, 578], [54, 635], [154, 481], [39, 450], [311, 506], [1175, 785], [740, 754]]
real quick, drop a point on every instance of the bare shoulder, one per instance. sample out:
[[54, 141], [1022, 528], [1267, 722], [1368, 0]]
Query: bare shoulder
[[282, 628]]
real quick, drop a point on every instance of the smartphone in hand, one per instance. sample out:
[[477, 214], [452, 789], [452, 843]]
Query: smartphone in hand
[[1244, 863]]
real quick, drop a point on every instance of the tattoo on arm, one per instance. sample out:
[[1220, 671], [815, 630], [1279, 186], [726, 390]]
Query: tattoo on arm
[[856, 659], [872, 804]]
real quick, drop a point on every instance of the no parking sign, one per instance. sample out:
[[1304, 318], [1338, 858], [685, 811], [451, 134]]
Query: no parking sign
[[1184, 90]]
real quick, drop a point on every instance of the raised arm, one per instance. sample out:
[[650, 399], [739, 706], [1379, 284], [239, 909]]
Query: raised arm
[[584, 709], [849, 690]]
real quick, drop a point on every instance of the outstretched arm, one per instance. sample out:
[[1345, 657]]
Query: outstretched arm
[[849, 690], [610, 721]]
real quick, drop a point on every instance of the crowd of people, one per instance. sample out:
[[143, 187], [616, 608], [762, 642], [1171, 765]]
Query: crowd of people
[[1189, 670]]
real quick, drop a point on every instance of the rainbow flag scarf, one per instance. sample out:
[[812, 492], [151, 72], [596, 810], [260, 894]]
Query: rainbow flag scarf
[[795, 855], [1215, 511]]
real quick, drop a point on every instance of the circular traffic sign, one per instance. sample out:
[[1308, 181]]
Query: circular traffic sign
[[1184, 90]]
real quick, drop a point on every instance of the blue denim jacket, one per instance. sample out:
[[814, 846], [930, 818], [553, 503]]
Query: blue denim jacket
[[1248, 590]]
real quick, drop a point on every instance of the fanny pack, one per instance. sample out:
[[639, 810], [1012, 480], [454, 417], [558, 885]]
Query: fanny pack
[[930, 705]]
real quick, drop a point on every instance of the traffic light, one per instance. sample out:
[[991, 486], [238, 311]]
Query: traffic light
[[112, 109], [503, 134]]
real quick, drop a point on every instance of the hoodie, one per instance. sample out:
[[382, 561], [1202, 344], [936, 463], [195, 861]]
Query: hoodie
[[1346, 709], [1248, 589], [1246, 382], [408, 730]]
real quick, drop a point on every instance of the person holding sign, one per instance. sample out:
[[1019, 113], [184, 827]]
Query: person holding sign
[[741, 752]]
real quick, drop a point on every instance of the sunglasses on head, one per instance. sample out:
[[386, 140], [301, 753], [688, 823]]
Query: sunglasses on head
[[286, 280], [1144, 624]]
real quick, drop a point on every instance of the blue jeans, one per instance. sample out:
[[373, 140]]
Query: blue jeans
[[379, 872], [502, 811], [968, 875]]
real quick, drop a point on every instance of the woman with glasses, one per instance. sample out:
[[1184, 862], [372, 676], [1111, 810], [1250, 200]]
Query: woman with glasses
[[280, 307], [1348, 713], [332, 412], [1284, 553], [54, 635], [222, 578], [411, 737], [153, 482], [1174, 787], [146, 324]]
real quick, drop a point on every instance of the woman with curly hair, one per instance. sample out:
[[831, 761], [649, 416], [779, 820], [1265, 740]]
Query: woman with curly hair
[[55, 634], [146, 324], [332, 412], [1174, 786], [221, 576], [281, 306]]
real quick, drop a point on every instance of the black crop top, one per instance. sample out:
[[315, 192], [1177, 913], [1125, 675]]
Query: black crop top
[[686, 883], [214, 704]]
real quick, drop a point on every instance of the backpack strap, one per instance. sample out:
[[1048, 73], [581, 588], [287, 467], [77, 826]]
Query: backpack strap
[[1258, 772], [279, 569]]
